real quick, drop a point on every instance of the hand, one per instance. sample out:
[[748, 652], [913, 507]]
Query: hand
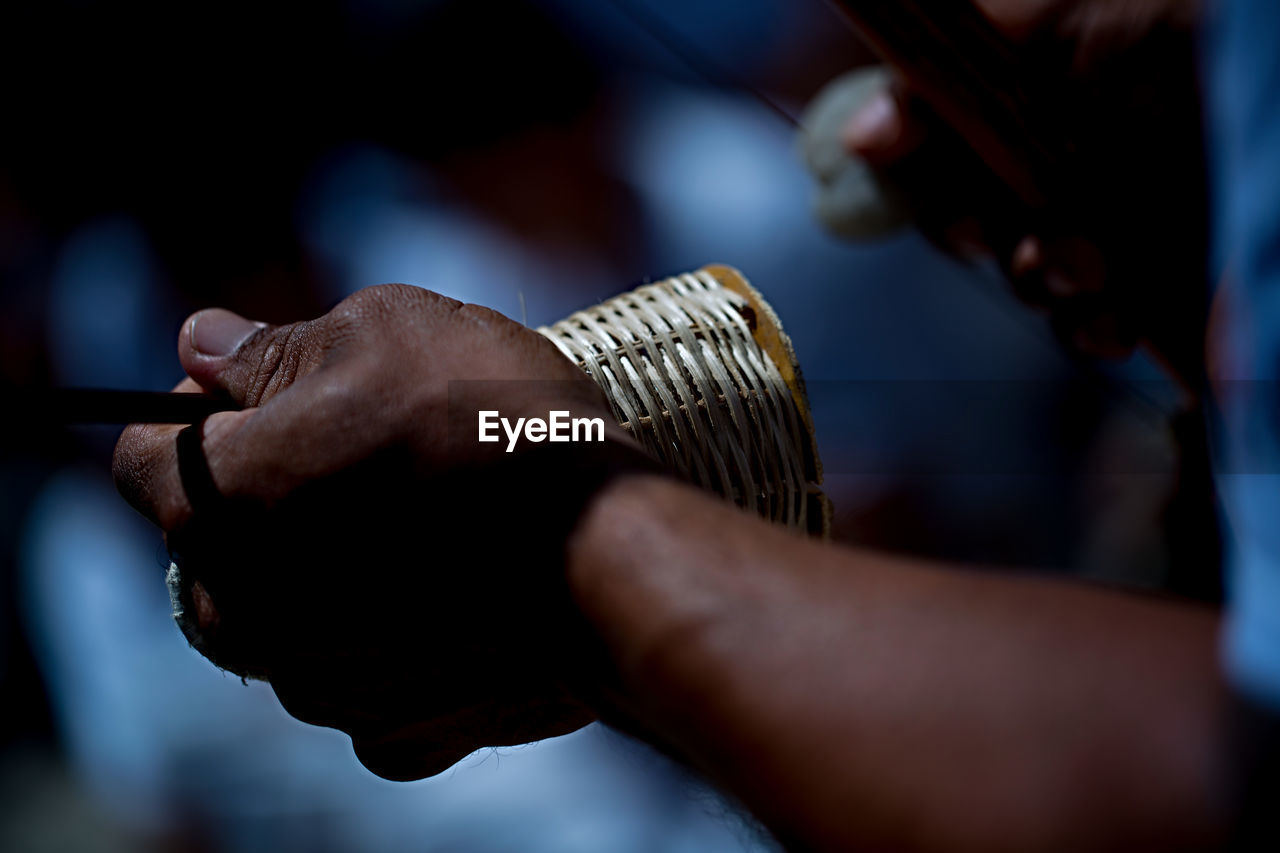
[[1125, 257], [346, 537]]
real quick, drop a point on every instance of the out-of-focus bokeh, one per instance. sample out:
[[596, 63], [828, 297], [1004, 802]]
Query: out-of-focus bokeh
[[534, 156]]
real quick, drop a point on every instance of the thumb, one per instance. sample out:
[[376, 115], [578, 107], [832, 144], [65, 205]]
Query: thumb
[[246, 360]]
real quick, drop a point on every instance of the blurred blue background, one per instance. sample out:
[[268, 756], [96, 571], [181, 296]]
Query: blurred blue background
[[531, 155]]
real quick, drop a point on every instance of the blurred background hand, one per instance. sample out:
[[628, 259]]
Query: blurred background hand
[[1121, 259]]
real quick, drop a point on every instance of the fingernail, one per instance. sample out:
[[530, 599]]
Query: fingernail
[[1027, 273], [874, 126], [217, 332], [1028, 257]]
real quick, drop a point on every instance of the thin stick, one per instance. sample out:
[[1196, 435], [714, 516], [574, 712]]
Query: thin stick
[[108, 406], [698, 60]]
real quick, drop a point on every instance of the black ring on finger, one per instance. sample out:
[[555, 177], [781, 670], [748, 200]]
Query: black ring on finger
[[193, 470]]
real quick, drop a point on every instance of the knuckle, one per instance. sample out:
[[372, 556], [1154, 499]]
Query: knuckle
[[482, 318], [390, 303], [344, 392], [277, 361]]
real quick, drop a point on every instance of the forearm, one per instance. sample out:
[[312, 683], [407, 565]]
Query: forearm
[[855, 700]]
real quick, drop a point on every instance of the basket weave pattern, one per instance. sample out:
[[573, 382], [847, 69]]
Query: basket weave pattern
[[684, 374]]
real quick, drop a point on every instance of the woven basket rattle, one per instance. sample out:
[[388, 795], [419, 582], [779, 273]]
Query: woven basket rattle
[[698, 369]]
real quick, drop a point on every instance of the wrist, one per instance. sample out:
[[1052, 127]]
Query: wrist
[[604, 553], [653, 576], [569, 484]]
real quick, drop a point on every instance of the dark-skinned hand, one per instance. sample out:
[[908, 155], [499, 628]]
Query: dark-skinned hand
[[347, 538]]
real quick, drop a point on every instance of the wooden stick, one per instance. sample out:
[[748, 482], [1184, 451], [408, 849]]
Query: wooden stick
[[108, 406]]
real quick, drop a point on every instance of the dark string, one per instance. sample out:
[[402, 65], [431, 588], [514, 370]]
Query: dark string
[[696, 59]]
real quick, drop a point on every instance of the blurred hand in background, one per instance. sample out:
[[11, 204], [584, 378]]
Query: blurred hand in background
[[1124, 259]]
